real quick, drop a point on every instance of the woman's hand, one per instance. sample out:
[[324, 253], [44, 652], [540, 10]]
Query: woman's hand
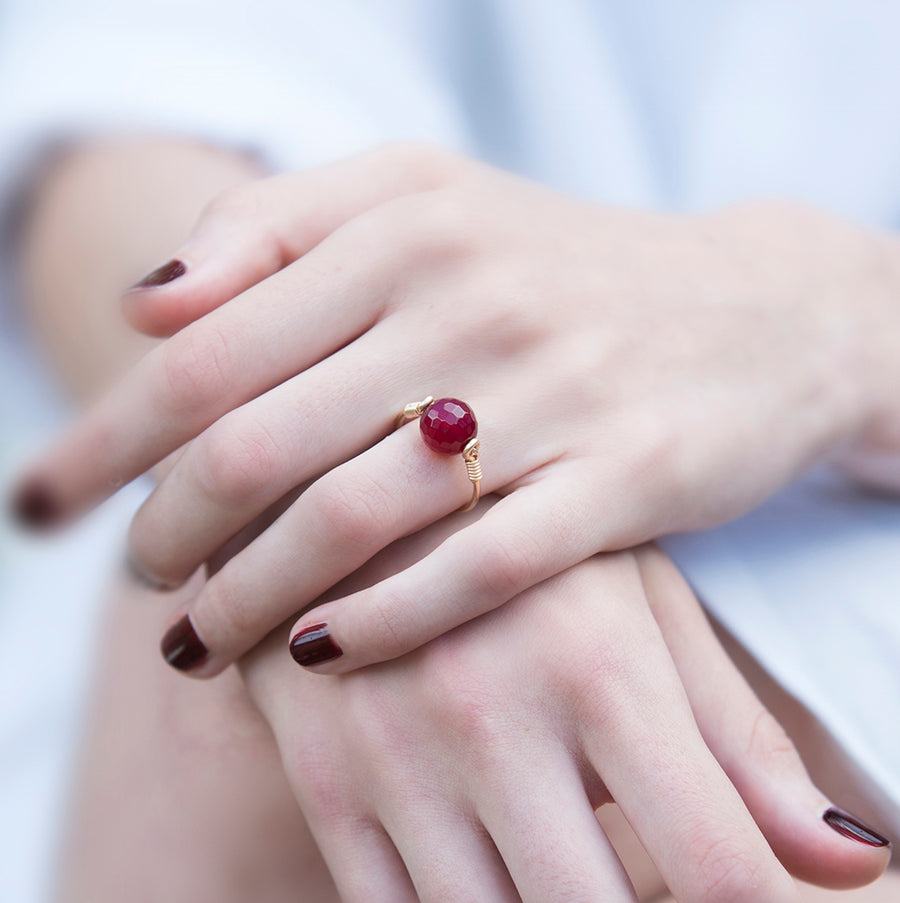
[[632, 374], [469, 769]]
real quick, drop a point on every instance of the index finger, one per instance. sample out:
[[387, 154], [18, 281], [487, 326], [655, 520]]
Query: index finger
[[234, 354]]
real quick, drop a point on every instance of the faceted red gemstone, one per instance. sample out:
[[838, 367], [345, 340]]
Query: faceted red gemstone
[[447, 425]]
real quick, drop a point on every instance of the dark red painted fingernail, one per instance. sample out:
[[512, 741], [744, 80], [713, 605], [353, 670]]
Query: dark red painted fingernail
[[163, 275], [314, 645], [850, 826], [182, 648], [35, 506]]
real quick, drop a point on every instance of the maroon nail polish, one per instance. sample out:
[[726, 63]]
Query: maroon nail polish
[[314, 645], [182, 648], [35, 506], [163, 275], [850, 826]]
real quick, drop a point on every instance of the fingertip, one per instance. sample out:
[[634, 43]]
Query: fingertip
[[829, 848], [856, 853], [153, 320], [166, 299], [34, 506], [155, 313]]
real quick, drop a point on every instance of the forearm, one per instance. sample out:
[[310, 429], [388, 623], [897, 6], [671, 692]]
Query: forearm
[[99, 217]]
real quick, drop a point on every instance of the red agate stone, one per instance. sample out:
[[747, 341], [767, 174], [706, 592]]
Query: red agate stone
[[447, 425]]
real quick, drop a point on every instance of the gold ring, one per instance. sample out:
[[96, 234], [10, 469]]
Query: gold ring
[[449, 427]]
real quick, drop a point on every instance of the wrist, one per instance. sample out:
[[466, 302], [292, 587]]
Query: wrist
[[840, 284], [873, 454], [883, 339]]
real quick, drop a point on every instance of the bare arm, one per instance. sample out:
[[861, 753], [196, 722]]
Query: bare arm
[[100, 216]]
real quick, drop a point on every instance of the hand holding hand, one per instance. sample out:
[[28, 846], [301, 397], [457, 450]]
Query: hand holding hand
[[632, 374], [469, 769]]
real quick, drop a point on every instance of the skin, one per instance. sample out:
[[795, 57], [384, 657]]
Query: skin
[[284, 694], [613, 650], [770, 363]]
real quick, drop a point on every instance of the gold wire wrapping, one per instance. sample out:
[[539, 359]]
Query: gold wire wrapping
[[412, 411], [473, 469], [470, 451]]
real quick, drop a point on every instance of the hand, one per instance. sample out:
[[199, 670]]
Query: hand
[[468, 770], [633, 374]]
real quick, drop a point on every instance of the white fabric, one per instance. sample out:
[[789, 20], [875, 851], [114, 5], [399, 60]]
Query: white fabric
[[654, 104], [809, 583]]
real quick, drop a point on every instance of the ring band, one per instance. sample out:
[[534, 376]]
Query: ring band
[[449, 427]]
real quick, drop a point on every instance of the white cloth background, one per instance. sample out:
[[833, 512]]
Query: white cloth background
[[655, 104]]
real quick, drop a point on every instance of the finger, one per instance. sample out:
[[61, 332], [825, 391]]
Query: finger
[[363, 861], [256, 454], [534, 533], [754, 750], [639, 735], [307, 426], [549, 837], [252, 231], [392, 490], [213, 366], [448, 856], [364, 864]]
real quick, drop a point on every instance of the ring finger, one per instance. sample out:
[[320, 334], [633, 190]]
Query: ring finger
[[449, 857], [391, 490], [574, 859]]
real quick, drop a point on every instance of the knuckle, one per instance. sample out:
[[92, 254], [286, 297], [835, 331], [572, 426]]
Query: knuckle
[[769, 744], [430, 229], [237, 466], [657, 445], [229, 617], [728, 873], [502, 313], [324, 789], [235, 201], [374, 712], [195, 365], [426, 165], [450, 220], [466, 702], [353, 508], [388, 626], [731, 871], [652, 462], [599, 686], [504, 567], [323, 798]]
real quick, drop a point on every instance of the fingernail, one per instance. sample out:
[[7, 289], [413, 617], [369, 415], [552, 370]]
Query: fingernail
[[163, 275], [182, 648], [314, 645], [852, 827], [35, 506]]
